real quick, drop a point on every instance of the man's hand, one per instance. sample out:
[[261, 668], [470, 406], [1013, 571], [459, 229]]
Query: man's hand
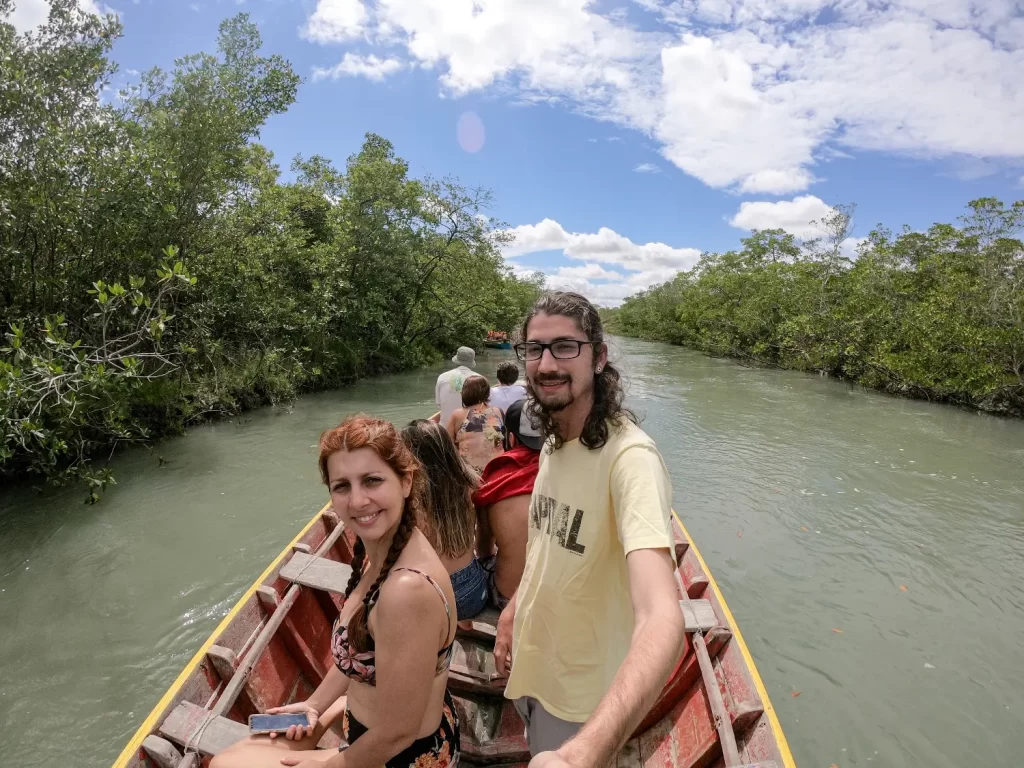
[[503, 640]]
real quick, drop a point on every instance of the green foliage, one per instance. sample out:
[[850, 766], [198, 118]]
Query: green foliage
[[237, 289], [936, 314]]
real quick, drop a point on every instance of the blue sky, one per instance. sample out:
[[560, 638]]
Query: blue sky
[[622, 138]]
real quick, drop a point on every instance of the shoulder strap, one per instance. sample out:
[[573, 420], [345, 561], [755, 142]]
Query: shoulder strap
[[437, 587]]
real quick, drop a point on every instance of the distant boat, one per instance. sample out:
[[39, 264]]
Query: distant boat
[[497, 340], [274, 647]]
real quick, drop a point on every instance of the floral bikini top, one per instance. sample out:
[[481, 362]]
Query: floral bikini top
[[361, 667]]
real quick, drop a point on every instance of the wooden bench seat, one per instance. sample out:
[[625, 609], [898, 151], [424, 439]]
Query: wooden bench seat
[[484, 625], [317, 572], [698, 614], [184, 726]]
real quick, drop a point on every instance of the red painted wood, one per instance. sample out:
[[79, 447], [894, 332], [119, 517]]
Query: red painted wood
[[741, 698], [759, 745], [681, 542], [307, 636], [684, 676], [686, 738], [694, 578], [274, 677]]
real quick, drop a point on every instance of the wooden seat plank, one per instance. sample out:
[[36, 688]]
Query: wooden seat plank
[[484, 626], [184, 726], [317, 572], [698, 614]]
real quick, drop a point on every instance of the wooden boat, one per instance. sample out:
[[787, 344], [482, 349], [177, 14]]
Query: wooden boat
[[273, 648], [497, 340]]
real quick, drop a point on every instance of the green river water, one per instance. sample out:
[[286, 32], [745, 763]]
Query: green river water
[[814, 503]]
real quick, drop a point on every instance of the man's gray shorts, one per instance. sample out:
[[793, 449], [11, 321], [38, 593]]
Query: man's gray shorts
[[544, 731]]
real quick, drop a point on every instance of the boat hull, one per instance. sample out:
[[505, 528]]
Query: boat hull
[[678, 733]]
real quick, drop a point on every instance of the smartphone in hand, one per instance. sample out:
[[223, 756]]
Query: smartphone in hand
[[276, 723]]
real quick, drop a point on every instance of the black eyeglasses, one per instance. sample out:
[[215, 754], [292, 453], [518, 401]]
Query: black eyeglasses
[[563, 349]]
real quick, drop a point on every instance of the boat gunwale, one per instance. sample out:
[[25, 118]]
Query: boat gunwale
[[748, 659], [152, 720]]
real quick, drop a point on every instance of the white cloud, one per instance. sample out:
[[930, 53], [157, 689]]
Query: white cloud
[[602, 294], [29, 14], [353, 65], [647, 168], [638, 266], [850, 246], [334, 21], [589, 272], [794, 216], [764, 92], [605, 246]]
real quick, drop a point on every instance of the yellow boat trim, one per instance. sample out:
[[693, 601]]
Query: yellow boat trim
[[737, 636], [150, 723]]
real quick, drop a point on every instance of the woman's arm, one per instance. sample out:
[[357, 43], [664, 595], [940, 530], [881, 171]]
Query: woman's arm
[[455, 421], [408, 634], [333, 687]]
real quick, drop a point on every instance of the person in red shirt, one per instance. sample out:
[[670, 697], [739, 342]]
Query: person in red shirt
[[503, 505]]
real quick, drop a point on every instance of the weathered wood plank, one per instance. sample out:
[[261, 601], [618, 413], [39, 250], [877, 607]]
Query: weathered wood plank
[[484, 625], [738, 691], [693, 575], [223, 660], [681, 542], [759, 747], [161, 752], [685, 738], [317, 572], [268, 598], [465, 681], [241, 676], [185, 726], [698, 614], [280, 610]]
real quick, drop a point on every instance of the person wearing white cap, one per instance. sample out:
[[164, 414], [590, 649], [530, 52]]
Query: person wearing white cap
[[448, 390]]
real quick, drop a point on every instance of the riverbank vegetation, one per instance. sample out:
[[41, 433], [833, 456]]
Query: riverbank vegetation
[[936, 314], [155, 269]]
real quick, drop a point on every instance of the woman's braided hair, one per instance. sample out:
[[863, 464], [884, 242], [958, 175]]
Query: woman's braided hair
[[380, 436]]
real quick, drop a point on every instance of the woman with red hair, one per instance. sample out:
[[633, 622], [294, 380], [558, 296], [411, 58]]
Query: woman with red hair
[[393, 640]]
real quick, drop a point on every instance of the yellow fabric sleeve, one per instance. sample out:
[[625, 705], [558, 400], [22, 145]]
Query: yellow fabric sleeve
[[641, 495]]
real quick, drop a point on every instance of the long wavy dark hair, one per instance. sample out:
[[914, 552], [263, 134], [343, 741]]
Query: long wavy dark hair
[[450, 514], [608, 409], [382, 437]]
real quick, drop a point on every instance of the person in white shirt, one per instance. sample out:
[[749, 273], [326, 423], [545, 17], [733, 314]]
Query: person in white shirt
[[507, 391], [448, 390]]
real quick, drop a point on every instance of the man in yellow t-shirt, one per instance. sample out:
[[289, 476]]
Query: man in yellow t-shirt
[[594, 630]]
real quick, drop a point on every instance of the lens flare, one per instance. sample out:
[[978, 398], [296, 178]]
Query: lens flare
[[470, 132]]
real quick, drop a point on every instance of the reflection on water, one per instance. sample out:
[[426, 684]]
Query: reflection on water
[[820, 507]]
